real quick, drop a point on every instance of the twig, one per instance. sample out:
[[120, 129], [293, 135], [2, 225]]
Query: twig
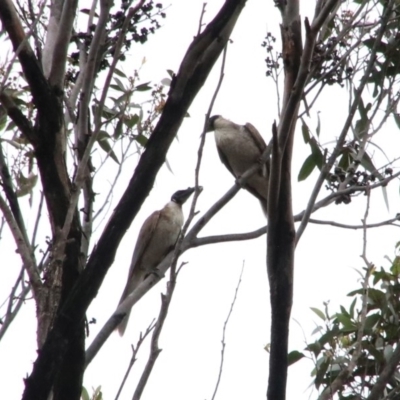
[[223, 343], [154, 349], [23, 43], [346, 226], [204, 133], [23, 249], [326, 168], [340, 380], [38, 216], [8, 187], [203, 11], [135, 351]]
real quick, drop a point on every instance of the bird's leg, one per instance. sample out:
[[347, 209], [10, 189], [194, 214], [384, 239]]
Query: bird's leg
[[156, 272]]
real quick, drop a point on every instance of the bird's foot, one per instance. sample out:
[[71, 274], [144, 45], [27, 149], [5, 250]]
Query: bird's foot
[[157, 273]]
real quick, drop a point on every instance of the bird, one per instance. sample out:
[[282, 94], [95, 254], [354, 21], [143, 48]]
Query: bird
[[239, 148], [157, 237]]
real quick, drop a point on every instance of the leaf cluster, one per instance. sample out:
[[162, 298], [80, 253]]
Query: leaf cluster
[[337, 337]]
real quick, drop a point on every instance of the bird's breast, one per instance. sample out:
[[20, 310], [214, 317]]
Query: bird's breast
[[164, 236], [238, 148]]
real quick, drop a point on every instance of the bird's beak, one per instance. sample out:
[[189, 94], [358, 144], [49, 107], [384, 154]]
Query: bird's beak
[[182, 195]]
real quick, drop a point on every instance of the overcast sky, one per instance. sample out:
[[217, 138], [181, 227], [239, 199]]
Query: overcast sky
[[326, 259]]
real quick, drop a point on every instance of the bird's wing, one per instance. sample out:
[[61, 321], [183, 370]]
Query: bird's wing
[[257, 138], [225, 161], [145, 235], [135, 272], [260, 143]]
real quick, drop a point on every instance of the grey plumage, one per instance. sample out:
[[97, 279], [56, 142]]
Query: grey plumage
[[239, 147], [157, 237]]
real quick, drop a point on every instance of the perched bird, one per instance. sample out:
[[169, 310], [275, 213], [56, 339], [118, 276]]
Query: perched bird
[[240, 147], [157, 237]]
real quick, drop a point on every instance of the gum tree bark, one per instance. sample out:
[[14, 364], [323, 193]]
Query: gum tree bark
[[70, 286]]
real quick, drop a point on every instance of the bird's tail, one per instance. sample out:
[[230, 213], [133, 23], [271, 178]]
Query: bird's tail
[[124, 323], [129, 288], [257, 185]]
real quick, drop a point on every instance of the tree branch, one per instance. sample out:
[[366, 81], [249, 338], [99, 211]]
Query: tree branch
[[23, 249], [60, 50], [195, 67], [342, 137]]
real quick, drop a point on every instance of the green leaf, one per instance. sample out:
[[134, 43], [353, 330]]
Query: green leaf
[[344, 311], [105, 145], [318, 125], [348, 324], [25, 184], [321, 371], [317, 153], [395, 268], [353, 304], [120, 84], [142, 140], [314, 347], [119, 73], [385, 197], [294, 356], [361, 128], [381, 47], [143, 87], [367, 163], [171, 73], [307, 167], [397, 119], [377, 297], [131, 121], [319, 313], [354, 292], [345, 160], [84, 394], [328, 336], [118, 129], [372, 320], [115, 87], [305, 130]]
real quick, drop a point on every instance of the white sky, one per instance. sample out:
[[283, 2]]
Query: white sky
[[326, 257]]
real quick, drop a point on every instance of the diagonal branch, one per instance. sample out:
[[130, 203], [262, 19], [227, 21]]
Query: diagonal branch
[[60, 50], [26, 56], [342, 137], [17, 116], [23, 248], [196, 65]]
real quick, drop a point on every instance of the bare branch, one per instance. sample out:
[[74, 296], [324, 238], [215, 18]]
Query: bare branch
[[385, 376], [23, 248], [60, 49], [203, 11], [11, 196], [135, 351], [17, 116], [342, 137], [228, 238], [224, 333], [52, 34], [12, 310], [20, 47], [195, 67]]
